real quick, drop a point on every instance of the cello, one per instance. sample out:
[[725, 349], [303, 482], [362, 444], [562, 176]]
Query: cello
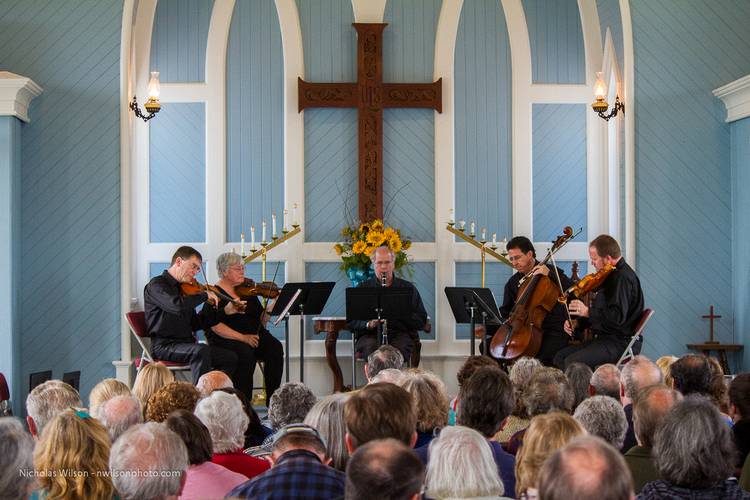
[[521, 334]]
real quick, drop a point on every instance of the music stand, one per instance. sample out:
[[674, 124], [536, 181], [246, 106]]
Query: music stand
[[467, 303], [73, 379], [382, 303], [39, 378], [301, 299]]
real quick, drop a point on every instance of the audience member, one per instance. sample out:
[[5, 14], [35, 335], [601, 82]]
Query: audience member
[[472, 364], [300, 469], [226, 421], [149, 461], [664, 363], [651, 406], [171, 397], [462, 466], [390, 375], [119, 414], [75, 443], [693, 450], [637, 374], [204, 479], [47, 400], [327, 416], [386, 356], [520, 375], [691, 374], [290, 404], [431, 399], [739, 400], [150, 379], [256, 432], [546, 434], [380, 411], [586, 468], [605, 381], [16, 458], [579, 375], [384, 469], [719, 391], [103, 392], [210, 381], [604, 417]]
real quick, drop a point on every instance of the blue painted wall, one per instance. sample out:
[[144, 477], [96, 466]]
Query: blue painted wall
[[610, 17], [483, 119], [69, 302], [178, 43], [740, 161]]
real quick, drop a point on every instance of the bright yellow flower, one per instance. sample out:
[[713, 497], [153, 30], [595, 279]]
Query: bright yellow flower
[[375, 238], [406, 245], [390, 233], [395, 244], [377, 225], [339, 249], [359, 247]]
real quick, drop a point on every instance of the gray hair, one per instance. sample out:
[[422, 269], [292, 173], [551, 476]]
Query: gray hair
[[386, 356], [119, 414], [225, 261], [604, 417], [461, 465], [226, 420], [327, 416], [143, 450], [16, 456], [390, 375], [210, 381], [386, 248], [522, 371], [290, 404], [639, 373], [694, 447], [579, 376], [548, 390], [47, 400], [649, 409], [606, 381]]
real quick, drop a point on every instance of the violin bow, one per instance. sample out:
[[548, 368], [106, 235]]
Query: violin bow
[[265, 299]]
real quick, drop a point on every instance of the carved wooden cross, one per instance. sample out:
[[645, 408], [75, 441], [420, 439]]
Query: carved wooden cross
[[370, 95], [711, 317]]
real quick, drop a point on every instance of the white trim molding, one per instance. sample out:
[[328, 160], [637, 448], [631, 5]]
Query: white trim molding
[[16, 93], [736, 98]]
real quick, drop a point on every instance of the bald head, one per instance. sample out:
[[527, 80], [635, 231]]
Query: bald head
[[606, 381], [119, 414], [649, 409], [384, 469], [209, 382], [638, 374]]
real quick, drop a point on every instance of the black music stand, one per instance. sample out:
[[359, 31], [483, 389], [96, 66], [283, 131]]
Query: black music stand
[[39, 378], [73, 379], [382, 303], [300, 299], [469, 303]]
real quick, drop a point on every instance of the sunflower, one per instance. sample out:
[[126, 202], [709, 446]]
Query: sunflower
[[375, 238], [339, 249], [377, 225], [359, 247], [395, 244], [406, 245]]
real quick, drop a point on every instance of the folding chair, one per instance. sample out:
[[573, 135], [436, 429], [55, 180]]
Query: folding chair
[[137, 322], [637, 335]]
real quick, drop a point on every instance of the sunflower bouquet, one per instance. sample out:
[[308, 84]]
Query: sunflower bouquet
[[360, 241]]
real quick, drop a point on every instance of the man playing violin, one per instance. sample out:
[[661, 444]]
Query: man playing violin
[[245, 334], [613, 314], [171, 318]]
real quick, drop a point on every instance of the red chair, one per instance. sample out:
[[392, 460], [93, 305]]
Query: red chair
[[137, 322], [637, 335], [5, 410]]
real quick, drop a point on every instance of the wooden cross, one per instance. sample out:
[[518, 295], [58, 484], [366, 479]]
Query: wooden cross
[[370, 96], [711, 317]]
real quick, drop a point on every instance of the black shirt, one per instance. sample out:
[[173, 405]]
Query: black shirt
[[246, 323], [554, 320], [415, 322]]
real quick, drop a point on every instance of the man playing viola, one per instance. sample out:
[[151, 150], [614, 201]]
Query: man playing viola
[[171, 318], [613, 314]]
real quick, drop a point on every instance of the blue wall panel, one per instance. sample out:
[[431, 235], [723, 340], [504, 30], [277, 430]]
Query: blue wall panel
[[740, 164], [70, 185], [557, 53], [331, 164], [255, 107], [178, 43], [558, 169], [177, 177], [609, 17], [483, 119]]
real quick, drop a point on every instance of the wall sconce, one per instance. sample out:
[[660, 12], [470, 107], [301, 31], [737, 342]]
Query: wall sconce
[[600, 105], [152, 104]]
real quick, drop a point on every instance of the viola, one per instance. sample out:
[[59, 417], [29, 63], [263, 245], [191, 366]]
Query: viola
[[588, 283], [250, 288], [194, 288]]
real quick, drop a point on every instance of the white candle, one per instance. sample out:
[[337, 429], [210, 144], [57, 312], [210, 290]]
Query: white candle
[[450, 217], [252, 238], [263, 233], [242, 244], [494, 239], [283, 227], [484, 234], [461, 224], [273, 226], [294, 215], [473, 227]]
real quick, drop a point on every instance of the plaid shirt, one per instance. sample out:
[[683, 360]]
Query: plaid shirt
[[298, 474]]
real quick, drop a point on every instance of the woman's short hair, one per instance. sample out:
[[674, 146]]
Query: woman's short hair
[[485, 400], [694, 447], [104, 391], [548, 390], [545, 435], [471, 365], [16, 457], [461, 465], [604, 417], [150, 379], [193, 433], [579, 376], [664, 363], [225, 261], [290, 404], [255, 433], [520, 374], [171, 397], [74, 441], [719, 390], [225, 419], [327, 416], [430, 397]]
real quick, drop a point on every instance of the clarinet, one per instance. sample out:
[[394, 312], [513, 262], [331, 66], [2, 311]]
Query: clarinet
[[383, 282]]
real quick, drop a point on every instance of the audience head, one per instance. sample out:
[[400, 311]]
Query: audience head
[[719, 391], [485, 401], [390, 375], [604, 417], [579, 376], [693, 446], [586, 468], [119, 414], [384, 469], [691, 374], [367, 419], [386, 356], [255, 432], [638, 373], [150, 379], [193, 433], [548, 390], [290, 404], [298, 437], [210, 381], [225, 419], [103, 392], [327, 415], [664, 363], [739, 396], [47, 400], [462, 466], [171, 397], [473, 363], [148, 447], [545, 435], [605, 381], [649, 409], [430, 398], [74, 441], [16, 455], [520, 375]]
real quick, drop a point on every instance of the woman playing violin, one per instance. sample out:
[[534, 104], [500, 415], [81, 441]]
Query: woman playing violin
[[245, 334]]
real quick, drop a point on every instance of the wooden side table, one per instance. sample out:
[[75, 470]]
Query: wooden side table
[[332, 326], [720, 348]]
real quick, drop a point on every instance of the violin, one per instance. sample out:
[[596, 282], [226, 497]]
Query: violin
[[194, 288], [588, 283], [250, 288]]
